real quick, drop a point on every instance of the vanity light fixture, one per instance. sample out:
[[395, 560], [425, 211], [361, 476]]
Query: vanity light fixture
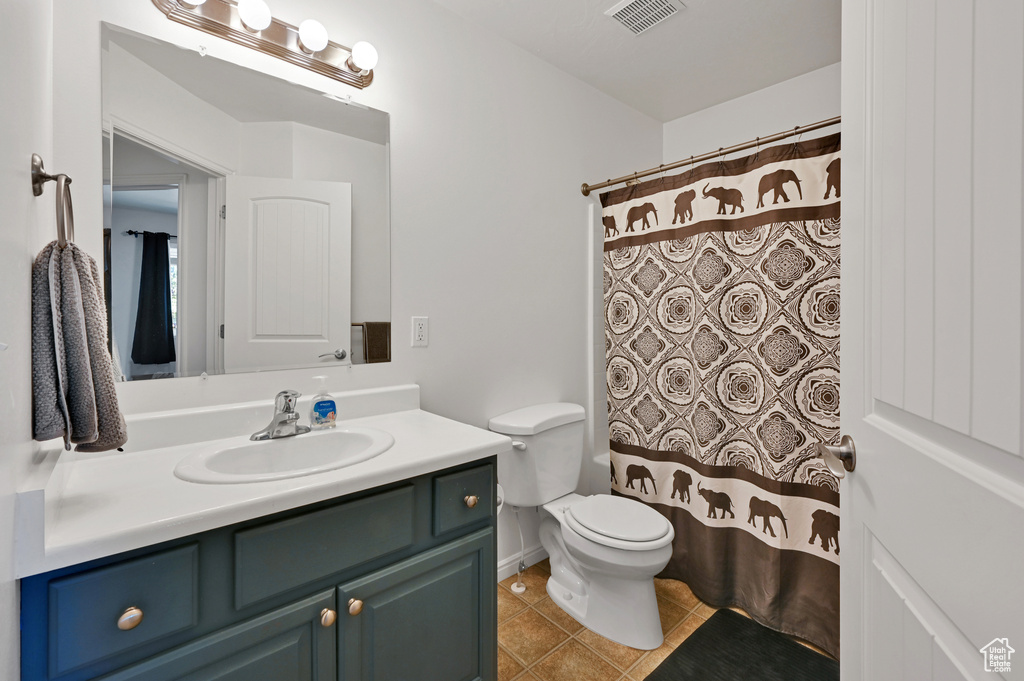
[[255, 14], [313, 36], [363, 59], [249, 23]]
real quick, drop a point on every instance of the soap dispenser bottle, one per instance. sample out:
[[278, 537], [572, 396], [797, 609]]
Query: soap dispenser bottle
[[324, 411]]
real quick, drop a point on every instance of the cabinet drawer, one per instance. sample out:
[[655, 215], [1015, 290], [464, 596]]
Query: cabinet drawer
[[451, 507], [276, 557], [84, 608]]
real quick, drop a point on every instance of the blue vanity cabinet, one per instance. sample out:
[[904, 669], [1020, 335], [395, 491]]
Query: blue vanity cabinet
[[269, 598]]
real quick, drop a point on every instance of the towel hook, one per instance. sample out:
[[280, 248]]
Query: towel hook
[[65, 213]]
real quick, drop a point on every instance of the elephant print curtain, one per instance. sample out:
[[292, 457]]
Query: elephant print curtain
[[721, 301]]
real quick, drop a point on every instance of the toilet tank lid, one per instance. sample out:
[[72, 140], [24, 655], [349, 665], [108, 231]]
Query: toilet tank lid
[[536, 419]]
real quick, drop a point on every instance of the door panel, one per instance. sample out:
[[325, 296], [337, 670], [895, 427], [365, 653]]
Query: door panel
[[429, 618], [287, 272], [933, 116], [288, 644]]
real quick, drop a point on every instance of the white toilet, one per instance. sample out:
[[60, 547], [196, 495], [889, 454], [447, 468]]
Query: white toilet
[[604, 550]]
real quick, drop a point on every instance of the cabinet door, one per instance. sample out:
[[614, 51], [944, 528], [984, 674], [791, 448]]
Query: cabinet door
[[288, 644], [429, 618]]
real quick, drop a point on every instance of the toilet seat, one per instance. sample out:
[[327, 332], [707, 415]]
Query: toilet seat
[[619, 523]]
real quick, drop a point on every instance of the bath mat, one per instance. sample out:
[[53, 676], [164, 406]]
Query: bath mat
[[731, 647]]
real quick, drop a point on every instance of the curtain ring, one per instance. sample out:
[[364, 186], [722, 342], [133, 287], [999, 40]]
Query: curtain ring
[[798, 134], [721, 162], [691, 167], [757, 143]]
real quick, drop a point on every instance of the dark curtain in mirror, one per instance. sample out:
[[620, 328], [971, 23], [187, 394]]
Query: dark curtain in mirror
[[154, 331]]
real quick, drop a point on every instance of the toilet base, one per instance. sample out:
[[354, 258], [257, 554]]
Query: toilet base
[[625, 612], [602, 591]]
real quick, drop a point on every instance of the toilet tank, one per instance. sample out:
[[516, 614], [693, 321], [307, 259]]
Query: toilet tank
[[548, 466]]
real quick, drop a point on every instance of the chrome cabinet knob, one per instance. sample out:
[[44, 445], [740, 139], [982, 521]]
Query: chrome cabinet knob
[[839, 459], [354, 606], [129, 619], [337, 354], [327, 617], [472, 500]]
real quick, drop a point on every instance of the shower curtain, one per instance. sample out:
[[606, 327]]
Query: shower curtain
[[721, 301], [153, 342]]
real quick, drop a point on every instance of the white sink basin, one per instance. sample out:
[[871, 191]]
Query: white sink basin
[[238, 459]]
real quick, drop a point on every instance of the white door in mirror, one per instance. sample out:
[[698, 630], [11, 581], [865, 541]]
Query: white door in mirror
[[287, 272]]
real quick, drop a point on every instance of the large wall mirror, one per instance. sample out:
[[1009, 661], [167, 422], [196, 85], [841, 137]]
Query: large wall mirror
[[246, 219]]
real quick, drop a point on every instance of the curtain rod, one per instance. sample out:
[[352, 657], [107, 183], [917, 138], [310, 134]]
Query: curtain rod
[[136, 233], [635, 177]]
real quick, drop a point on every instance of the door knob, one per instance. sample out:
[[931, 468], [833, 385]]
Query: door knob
[[337, 354], [327, 617], [354, 607], [471, 500], [839, 459]]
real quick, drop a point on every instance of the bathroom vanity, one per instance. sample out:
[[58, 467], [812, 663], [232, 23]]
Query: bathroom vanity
[[381, 570]]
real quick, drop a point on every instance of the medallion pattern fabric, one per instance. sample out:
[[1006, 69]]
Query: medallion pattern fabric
[[721, 302]]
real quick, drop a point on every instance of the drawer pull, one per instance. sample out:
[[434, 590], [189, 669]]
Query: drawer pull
[[354, 607], [471, 500], [327, 617], [129, 619]]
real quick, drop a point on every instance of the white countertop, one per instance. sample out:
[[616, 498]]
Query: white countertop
[[102, 505]]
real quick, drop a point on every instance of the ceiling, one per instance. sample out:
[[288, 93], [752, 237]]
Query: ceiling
[[710, 52]]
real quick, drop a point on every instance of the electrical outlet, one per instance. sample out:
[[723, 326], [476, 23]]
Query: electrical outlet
[[420, 332]]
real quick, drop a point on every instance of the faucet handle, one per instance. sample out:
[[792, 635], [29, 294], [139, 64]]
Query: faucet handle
[[285, 401]]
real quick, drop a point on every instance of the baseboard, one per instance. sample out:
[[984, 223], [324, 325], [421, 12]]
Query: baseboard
[[509, 566]]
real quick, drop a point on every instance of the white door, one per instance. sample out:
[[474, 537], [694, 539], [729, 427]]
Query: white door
[[932, 521], [287, 273]]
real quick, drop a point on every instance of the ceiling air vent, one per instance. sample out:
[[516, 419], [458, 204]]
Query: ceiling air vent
[[640, 15]]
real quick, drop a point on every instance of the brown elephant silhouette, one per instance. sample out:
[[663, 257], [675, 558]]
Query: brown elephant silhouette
[[636, 472], [640, 213], [609, 226], [614, 479], [832, 180], [726, 197], [681, 482], [826, 526], [775, 181], [684, 206], [716, 501], [766, 510]]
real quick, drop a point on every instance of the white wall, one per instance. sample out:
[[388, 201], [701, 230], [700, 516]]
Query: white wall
[[805, 99], [27, 224], [489, 233]]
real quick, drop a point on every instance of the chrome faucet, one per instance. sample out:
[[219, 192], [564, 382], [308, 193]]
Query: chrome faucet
[[286, 420]]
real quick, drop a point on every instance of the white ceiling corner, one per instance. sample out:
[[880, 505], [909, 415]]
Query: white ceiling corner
[[710, 52]]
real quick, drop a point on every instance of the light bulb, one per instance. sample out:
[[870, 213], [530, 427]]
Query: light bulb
[[254, 14], [312, 36], [364, 57], [191, 4]]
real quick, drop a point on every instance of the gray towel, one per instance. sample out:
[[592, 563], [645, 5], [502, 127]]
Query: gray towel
[[72, 373]]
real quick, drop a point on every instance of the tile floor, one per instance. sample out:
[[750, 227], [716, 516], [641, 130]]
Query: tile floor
[[537, 641]]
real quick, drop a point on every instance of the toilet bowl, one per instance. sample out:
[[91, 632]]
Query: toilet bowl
[[604, 553], [604, 550]]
